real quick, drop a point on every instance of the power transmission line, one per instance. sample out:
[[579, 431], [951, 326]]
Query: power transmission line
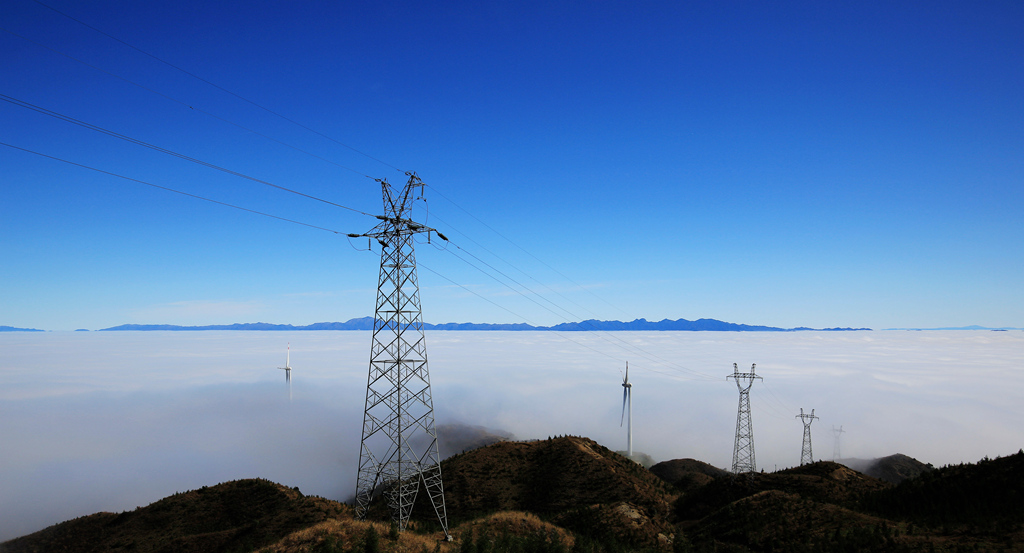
[[563, 335], [205, 199], [300, 125], [524, 250], [293, 221], [218, 87], [774, 399], [268, 110], [193, 108], [576, 318], [167, 151], [510, 264], [225, 204], [603, 334], [187, 105]]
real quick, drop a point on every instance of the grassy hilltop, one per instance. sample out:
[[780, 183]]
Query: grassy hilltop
[[571, 494]]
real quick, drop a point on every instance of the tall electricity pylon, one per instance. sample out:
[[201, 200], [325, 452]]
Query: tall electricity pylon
[[838, 433], [806, 457], [399, 443], [743, 451]]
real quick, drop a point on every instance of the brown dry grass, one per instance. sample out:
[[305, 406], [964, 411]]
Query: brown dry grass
[[515, 523], [349, 533]]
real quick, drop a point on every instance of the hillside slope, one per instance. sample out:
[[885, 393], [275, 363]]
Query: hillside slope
[[893, 469], [988, 494], [687, 474], [822, 482], [547, 477], [239, 515], [572, 494], [574, 482]]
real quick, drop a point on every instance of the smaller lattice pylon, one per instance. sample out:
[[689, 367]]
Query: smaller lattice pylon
[[838, 433], [743, 448], [806, 457]]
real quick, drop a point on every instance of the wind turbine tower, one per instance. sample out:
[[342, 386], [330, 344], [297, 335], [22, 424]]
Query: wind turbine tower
[[806, 457], [398, 450], [627, 397], [838, 433], [743, 450], [287, 368]]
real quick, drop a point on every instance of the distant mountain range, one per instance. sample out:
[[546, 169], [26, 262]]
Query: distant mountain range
[[366, 323], [970, 327], [14, 329]]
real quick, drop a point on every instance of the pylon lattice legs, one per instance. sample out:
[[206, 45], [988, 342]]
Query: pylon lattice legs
[[743, 450], [806, 456], [836, 454], [398, 450]]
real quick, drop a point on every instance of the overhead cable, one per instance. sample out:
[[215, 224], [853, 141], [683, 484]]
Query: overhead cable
[[268, 110], [186, 104], [218, 87], [563, 335], [524, 250], [622, 344], [160, 149], [205, 199]]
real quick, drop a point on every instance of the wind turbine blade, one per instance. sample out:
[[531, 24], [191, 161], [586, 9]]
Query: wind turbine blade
[[627, 371], [623, 418]]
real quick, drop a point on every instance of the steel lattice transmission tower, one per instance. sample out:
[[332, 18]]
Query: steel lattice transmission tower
[[398, 450], [743, 451], [838, 433], [806, 457]]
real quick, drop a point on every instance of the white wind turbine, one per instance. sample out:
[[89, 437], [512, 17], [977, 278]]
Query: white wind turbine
[[627, 397], [287, 368]]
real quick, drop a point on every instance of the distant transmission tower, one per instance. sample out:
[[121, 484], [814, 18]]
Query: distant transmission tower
[[743, 451], [806, 457], [838, 433], [399, 444]]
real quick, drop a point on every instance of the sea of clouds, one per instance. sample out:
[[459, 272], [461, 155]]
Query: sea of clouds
[[107, 421]]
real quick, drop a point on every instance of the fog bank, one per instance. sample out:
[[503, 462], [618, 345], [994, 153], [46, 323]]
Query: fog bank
[[114, 420]]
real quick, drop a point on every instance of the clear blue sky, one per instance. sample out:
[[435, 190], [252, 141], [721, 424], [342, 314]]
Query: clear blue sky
[[786, 164]]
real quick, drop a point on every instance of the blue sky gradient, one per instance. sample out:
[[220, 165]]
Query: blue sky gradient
[[793, 164]]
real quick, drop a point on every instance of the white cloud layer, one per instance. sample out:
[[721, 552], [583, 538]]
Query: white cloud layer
[[113, 420]]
